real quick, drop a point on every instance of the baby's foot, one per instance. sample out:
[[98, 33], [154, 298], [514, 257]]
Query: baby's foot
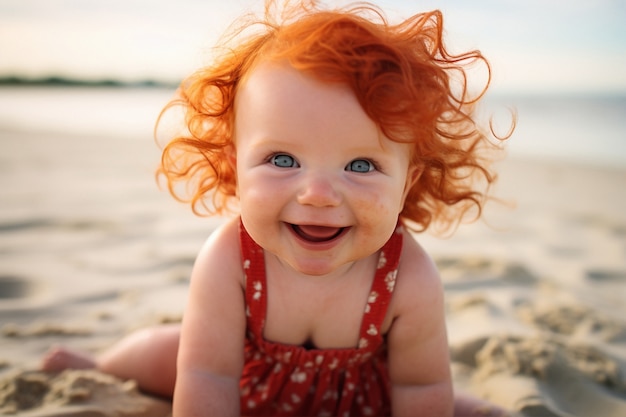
[[60, 358]]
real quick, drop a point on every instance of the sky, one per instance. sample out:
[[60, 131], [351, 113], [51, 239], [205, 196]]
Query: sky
[[532, 45]]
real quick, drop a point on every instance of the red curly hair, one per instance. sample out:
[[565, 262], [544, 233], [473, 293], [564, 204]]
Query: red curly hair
[[403, 76]]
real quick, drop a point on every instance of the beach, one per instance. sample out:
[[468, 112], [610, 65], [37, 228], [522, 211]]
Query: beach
[[91, 249]]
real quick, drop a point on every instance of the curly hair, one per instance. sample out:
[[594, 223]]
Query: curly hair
[[403, 76]]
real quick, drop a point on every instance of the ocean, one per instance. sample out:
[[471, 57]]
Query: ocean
[[584, 129]]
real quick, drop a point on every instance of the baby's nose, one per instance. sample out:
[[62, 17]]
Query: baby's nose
[[319, 190]]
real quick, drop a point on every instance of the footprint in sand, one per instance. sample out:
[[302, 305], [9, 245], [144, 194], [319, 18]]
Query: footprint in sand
[[13, 287], [573, 320], [597, 275], [551, 377], [462, 272], [541, 357]]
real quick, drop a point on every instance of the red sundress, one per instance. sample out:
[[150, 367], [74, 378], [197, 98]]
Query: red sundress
[[287, 380]]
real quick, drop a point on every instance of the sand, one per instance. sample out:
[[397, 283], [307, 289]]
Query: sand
[[91, 250]]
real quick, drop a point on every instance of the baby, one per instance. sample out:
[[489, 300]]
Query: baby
[[332, 134]]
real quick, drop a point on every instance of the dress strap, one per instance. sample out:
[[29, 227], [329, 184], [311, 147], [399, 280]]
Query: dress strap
[[256, 289], [381, 291]]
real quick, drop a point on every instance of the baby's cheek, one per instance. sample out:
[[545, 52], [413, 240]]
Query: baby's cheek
[[255, 192], [374, 209], [257, 203]]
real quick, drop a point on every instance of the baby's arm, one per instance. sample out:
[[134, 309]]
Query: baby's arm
[[418, 349], [210, 357]]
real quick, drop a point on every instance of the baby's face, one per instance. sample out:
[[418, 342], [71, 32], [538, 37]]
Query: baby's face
[[319, 185]]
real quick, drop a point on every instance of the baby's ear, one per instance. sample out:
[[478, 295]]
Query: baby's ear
[[413, 175]]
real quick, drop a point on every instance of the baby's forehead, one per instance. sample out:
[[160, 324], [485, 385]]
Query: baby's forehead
[[279, 71], [278, 83], [276, 89]]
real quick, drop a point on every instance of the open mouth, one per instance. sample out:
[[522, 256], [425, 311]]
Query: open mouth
[[317, 234]]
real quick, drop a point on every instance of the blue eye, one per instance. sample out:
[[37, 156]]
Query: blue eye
[[360, 165], [282, 160]]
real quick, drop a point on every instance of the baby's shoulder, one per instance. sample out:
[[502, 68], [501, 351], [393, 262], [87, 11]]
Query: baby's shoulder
[[220, 254], [417, 272], [415, 259]]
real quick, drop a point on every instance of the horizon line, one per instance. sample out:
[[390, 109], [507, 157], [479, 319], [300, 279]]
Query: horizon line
[[65, 81]]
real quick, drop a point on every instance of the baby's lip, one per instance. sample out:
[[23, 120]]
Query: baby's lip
[[317, 234]]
